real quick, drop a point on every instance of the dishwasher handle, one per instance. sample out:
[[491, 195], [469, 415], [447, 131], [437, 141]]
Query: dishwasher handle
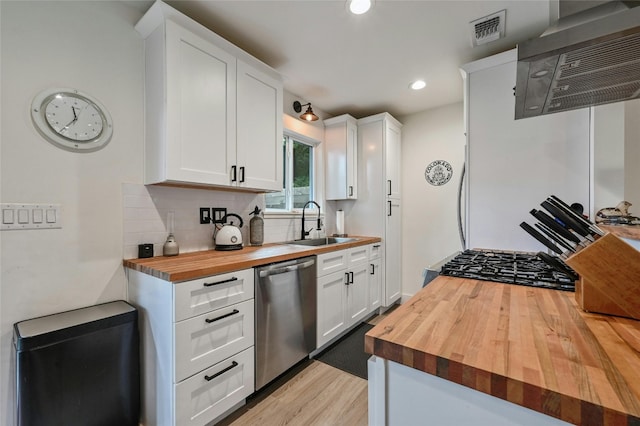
[[268, 272]]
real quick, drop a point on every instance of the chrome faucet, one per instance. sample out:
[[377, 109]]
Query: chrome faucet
[[304, 233]]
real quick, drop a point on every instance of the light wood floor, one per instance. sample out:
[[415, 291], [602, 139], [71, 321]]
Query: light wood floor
[[318, 395], [311, 394]]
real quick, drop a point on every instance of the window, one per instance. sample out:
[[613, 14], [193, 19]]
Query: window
[[297, 177]]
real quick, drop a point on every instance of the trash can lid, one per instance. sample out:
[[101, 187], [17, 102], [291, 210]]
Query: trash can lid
[[49, 323]]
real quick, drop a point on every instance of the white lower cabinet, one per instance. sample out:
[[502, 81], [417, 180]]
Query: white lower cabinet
[[344, 285], [197, 346], [209, 393]]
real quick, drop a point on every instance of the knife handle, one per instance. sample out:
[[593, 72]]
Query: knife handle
[[566, 219], [578, 217], [538, 236], [554, 225]]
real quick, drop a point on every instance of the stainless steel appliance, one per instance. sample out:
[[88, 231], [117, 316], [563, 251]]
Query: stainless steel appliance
[[588, 58], [285, 316]]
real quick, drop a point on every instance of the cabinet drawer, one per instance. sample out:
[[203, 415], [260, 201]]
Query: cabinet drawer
[[332, 262], [209, 338], [357, 255], [206, 294], [375, 251], [208, 394]]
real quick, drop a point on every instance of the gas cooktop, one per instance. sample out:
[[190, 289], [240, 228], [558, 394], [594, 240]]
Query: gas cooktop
[[508, 267]]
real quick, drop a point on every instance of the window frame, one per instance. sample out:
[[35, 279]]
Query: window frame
[[291, 137]]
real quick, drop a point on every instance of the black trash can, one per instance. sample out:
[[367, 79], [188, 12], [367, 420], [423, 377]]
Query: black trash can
[[79, 367]]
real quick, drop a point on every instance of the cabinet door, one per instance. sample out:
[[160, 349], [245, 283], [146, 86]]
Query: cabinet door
[[375, 251], [393, 157], [375, 283], [201, 108], [393, 258], [331, 306], [341, 165], [357, 255], [357, 293], [204, 295], [210, 338], [332, 262], [206, 395], [259, 129], [352, 161]]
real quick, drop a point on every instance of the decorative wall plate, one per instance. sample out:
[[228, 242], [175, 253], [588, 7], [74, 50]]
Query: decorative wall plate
[[438, 172]]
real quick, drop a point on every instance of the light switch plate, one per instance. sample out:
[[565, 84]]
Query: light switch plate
[[17, 216]]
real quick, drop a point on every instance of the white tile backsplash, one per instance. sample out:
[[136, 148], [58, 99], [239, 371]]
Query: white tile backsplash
[[146, 208]]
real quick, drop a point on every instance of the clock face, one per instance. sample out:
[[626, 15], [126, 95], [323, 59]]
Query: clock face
[[74, 118], [71, 120]]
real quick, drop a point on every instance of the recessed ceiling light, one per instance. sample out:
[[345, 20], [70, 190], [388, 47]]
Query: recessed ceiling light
[[418, 84], [358, 7]]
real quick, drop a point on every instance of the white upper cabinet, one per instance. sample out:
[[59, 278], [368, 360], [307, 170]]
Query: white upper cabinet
[[341, 145], [213, 113], [393, 158], [259, 133]]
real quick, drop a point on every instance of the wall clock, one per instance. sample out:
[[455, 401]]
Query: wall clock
[[438, 172], [71, 120]]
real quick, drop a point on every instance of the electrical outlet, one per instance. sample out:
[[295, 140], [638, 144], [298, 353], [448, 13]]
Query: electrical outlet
[[205, 215], [218, 214]]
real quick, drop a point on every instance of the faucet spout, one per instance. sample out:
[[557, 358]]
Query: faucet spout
[[304, 233]]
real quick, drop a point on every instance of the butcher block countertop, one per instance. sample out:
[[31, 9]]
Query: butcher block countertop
[[530, 346], [189, 266], [624, 231]]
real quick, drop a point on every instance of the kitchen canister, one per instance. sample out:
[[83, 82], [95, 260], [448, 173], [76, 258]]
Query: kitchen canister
[[256, 228]]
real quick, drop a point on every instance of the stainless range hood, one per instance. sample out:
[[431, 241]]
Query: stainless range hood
[[588, 58]]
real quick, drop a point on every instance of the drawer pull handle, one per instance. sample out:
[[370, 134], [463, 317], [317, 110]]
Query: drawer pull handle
[[221, 282], [219, 373], [376, 246], [209, 321]]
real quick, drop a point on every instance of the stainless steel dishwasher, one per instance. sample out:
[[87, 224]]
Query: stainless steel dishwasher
[[285, 316]]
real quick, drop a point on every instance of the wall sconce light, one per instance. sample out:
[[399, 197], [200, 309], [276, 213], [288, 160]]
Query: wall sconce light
[[308, 115]]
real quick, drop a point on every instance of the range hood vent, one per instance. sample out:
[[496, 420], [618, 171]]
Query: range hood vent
[[594, 60]]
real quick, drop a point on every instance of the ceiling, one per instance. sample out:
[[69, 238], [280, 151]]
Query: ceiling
[[363, 64]]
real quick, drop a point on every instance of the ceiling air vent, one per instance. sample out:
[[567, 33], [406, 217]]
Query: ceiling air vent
[[487, 29]]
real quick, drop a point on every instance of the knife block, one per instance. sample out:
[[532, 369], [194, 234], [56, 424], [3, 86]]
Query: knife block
[[610, 277]]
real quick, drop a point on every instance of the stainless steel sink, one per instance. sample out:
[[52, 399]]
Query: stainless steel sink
[[321, 241]]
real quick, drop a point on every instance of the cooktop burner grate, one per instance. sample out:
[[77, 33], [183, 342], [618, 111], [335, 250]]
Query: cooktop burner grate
[[507, 267]]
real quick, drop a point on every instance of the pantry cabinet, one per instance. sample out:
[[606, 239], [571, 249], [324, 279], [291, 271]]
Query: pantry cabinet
[[343, 292], [197, 354], [341, 148], [213, 113], [377, 211]]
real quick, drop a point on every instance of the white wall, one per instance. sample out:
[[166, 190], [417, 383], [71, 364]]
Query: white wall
[[429, 221], [608, 153], [91, 46]]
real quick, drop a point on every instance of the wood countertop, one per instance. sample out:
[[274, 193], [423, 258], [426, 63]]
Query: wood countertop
[[624, 231], [189, 266], [530, 346]]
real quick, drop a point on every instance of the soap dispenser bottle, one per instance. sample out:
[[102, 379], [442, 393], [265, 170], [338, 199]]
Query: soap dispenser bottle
[[256, 228]]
